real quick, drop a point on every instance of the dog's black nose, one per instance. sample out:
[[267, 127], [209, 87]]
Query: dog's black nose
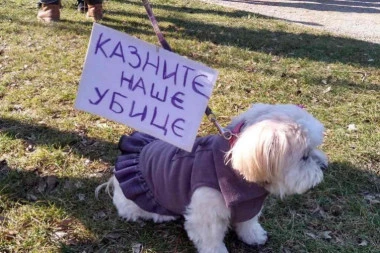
[[323, 166]]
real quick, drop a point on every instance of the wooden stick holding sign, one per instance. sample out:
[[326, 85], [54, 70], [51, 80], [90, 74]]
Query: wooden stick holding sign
[[144, 86], [211, 116]]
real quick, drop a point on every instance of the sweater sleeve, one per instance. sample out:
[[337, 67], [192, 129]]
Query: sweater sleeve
[[246, 210]]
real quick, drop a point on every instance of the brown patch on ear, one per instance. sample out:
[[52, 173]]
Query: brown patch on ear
[[257, 175], [266, 161], [262, 150], [251, 158]]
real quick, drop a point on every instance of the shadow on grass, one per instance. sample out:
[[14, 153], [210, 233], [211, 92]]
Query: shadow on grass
[[78, 142], [344, 185], [75, 199], [320, 48]]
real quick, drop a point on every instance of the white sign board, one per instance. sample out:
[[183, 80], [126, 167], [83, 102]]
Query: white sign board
[[144, 86]]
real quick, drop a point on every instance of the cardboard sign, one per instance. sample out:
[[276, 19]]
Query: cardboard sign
[[144, 86]]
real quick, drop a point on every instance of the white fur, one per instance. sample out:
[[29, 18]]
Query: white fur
[[251, 232], [128, 210], [277, 149], [207, 228], [260, 112]]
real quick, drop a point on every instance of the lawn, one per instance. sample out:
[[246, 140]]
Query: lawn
[[52, 156]]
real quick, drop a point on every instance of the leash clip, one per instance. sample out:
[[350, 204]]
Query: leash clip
[[225, 133]]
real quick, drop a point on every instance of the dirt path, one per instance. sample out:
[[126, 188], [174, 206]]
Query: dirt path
[[359, 19]]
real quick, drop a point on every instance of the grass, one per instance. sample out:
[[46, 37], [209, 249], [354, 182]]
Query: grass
[[52, 156]]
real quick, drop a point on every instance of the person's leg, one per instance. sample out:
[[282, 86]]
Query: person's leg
[[49, 10], [95, 9]]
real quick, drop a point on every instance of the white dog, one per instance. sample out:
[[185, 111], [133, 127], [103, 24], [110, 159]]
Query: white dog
[[220, 184]]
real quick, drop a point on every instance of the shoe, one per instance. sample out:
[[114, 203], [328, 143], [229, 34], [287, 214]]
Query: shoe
[[49, 12], [95, 11], [82, 6]]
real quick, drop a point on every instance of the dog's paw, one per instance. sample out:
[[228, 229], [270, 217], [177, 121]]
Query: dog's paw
[[221, 248], [256, 235]]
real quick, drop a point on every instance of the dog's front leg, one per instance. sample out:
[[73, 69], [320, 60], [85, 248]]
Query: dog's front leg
[[251, 232], [207, 220]]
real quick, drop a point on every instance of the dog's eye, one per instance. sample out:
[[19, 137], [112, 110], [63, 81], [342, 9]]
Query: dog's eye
[[305, 157]]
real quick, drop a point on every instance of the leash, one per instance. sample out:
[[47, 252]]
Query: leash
[[227, 134], [154, 23]]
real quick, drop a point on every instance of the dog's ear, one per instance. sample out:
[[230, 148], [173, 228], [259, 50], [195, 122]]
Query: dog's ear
[[264, 149]]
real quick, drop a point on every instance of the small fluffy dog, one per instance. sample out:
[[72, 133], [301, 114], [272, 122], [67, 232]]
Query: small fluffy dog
[[221, 183]]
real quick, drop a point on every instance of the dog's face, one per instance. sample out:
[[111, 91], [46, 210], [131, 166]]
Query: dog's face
[[278, 149]]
